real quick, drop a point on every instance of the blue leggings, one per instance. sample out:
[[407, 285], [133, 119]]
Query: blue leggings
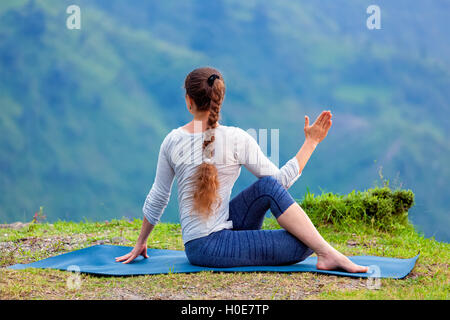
[[246, 244]]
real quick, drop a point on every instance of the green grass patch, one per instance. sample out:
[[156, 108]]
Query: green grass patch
[[381, 209]]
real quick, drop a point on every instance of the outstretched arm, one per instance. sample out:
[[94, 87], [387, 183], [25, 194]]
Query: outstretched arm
[[314, 134], [252, 157]]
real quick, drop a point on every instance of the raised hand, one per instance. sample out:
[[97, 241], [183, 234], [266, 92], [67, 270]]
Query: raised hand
[[319, 129], [139, 249]]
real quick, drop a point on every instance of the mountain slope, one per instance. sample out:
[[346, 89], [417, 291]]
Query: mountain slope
[[84, 112]]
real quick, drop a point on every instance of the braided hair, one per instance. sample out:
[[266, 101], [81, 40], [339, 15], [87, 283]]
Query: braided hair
[[207, 88]]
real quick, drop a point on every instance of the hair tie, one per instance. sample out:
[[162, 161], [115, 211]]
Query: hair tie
[[212, 78]]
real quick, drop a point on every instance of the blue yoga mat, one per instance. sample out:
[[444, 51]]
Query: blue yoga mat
[[99, 260]]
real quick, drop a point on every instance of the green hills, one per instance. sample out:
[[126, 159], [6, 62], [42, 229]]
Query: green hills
[[83, 112]]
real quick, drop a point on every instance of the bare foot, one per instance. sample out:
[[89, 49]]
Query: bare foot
[[335, 260]]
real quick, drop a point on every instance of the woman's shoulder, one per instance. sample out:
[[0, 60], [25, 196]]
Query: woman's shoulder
[[231, 130], [172, 137], [172, 133], [236, 132]]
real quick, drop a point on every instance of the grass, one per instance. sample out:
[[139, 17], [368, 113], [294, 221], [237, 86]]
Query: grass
[[428, 280], [381, 208]]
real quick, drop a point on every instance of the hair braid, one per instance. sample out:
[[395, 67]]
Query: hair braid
[[207, 88]]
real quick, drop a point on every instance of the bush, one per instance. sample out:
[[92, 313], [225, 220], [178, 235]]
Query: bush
[[381, 208]]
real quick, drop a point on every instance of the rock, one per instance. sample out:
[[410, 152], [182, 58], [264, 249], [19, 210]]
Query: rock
[[119, 240], [352, 243], [16, 225]]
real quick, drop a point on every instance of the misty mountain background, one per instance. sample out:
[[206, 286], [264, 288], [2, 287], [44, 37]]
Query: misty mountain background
[[83, 112]]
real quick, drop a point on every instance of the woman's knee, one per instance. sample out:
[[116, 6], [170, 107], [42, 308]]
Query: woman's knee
[[269, 186], [280, 199], [268, 180]]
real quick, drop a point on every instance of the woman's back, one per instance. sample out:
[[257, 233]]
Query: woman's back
[[181, 154]]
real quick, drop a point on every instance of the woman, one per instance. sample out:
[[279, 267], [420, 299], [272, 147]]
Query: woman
[[206, 159]]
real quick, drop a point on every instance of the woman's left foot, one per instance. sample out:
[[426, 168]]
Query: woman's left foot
[[333, 259]]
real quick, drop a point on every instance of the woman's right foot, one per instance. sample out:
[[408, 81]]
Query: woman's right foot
[[333, 259]]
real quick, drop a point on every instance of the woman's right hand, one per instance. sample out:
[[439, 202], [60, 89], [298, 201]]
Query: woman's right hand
[[319, 129], [139, 249]]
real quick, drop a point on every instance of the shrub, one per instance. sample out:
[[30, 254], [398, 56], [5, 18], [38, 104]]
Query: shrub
[[380, 208]]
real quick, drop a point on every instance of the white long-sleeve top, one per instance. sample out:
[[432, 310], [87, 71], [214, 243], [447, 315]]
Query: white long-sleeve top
[[180, 155]]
